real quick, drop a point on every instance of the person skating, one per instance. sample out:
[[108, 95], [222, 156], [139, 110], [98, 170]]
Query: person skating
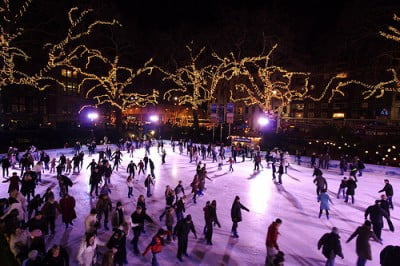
[[103, 206], [179, 190], [376, 214], [324, 198], [151, 165], [156, 246], [118, 241], [169, 221], [351, 188], [138, 217], [331, 247], [94, 181], [131, 168], [236, 215], [271, 242], [117, 217], [88, 250], [180, 208], [363, 248], [181, 230], [280, 173], [91, 222], [141, 167], [5, 165], [211, 218], [67, 209], [320, 183], [129, 183], [342, 188], [148, 182], [49, 211], [163, 155], [14, 182], [230, 161], [388, 189]]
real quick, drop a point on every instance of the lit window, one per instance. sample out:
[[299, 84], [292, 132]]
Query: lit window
[[63, 72], [338, 115]]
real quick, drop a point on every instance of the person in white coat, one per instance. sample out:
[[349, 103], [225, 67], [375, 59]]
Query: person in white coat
[[87, 250]]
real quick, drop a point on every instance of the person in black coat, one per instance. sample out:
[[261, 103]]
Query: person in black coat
[[388, 191], [117, 241], [351, 187], [211, 217], [330, 243], [236, 215], [138, 217], [376, 214], [56, 256], [5, 165], [181, 230], [94, 181]]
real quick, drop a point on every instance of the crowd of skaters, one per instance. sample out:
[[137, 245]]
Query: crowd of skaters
[[30, 231]]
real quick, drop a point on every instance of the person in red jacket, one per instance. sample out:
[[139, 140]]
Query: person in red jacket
[[272, 241], [156, 245]]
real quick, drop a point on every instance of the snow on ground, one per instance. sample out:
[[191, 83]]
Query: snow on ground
[[294, 202]]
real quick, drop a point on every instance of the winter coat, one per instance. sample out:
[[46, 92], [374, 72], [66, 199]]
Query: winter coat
[[272, 236], [324, 199], [390, 256], [87, 254], [156, 245], [138, 220], [351, 186], [182, 228], [330, 244], [388, 190], [67, 209], [14, 183], [376, 214], [236, 211], [320, 182], [116, 218], [363, 248], [103, 204], [50, 209]]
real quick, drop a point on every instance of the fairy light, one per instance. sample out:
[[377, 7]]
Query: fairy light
[[9, 31], [114, 87], [196, 84]]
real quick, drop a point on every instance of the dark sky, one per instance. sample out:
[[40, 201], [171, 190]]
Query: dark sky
[[310, 34], [318, 32]]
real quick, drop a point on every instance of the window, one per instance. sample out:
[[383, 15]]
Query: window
[[239, 110], [311, 106], [324, 115], [310, 114], [324, 105], [246, 110]]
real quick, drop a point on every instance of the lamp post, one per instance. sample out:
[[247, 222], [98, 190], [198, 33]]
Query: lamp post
[[93, 116], [155, 119]]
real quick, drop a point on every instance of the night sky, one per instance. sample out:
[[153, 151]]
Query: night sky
[[310, 34]]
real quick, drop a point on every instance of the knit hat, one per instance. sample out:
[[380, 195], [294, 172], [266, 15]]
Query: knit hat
[[119, 204]]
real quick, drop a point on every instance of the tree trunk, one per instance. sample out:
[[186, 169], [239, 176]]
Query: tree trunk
[[118, 119], [195, 119]]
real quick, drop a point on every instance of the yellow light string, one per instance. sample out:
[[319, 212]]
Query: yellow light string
[[196, 84]]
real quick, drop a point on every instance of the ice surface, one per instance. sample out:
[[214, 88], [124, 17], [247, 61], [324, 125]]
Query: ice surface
[[295, 202]]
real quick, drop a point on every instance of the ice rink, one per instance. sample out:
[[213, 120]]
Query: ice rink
[[295, 202]]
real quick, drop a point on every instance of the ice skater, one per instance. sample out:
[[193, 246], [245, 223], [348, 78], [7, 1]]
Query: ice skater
[[181, 230], [331, 247], [236, 215], [363, 248], [272, 242], [324, 199], [388, 189], [342, 188]]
